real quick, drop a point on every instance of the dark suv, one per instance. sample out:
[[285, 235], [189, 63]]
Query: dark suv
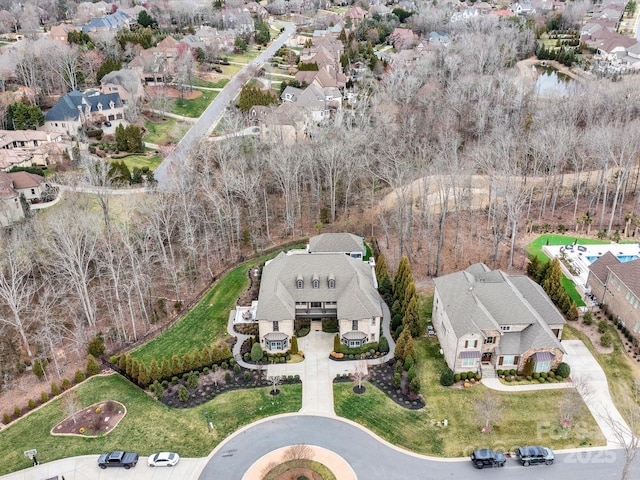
[[487, 458], [529, 455]]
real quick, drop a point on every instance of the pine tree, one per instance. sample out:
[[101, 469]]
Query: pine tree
[[122, 363], [165, 371], [196, 359], [92, 367], [225, 352], [129, 364], [187, 364], [401, 345], [381, 267], [386, 290], [399, 278], [336, 343], [154, 371], [121, 138], [143, 375], [294, 345], [396, 316], [206, 356], [573, 313], [135, 369], [411, 320], [533, 267], [176, 365], [409, 294]]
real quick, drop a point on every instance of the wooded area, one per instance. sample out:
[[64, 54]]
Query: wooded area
[[447, 161]]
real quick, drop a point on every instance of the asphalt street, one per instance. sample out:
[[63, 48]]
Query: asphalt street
[[373, 459], [207, 121]]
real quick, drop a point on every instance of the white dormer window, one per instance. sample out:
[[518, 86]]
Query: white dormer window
[[112, 105], [299, 282], [315, 283], [332, 281], [100, 106]]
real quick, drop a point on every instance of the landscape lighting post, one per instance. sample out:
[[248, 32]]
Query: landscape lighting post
[[206, 416]]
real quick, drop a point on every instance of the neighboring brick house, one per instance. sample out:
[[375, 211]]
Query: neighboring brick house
[[403, 39], [616, 284], [76, 109], [315, 285], [491, 320], [60, 33], [157, 64]]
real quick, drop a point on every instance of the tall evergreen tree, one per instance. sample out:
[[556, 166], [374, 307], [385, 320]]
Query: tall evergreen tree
[[154, 371], [411, 320], [176, 365], [165, 371]]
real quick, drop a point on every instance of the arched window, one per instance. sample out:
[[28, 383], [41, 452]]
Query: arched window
[[299, 282]]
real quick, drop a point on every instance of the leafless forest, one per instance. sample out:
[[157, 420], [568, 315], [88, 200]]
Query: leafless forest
[[450, 161]]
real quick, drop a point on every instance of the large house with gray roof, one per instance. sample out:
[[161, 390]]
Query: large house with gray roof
[[314, 284], [488, 320], [76, 109], [616, 284]]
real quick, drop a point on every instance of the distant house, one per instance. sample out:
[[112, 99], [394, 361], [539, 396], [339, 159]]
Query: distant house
[[491, 320], [616, 284], [25, 148], [76, 109], [157, 64], [126, 83], [356, 14], [286, 124], [10, 206], [317, 102], [108, 24], [312, 286], [403, 39], [27, 184], [60, 33]]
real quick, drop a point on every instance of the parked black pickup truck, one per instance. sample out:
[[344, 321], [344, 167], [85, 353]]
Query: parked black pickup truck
[[118, 459]]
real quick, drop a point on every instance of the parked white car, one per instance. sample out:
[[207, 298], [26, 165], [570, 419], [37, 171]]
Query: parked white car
[[163, 459]]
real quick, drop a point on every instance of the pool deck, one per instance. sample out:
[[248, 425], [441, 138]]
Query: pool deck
[[578, 257]]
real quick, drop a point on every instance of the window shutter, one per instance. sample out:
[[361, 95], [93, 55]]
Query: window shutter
[[500, 360]]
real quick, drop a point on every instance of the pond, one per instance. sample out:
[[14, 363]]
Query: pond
[[550, 82]]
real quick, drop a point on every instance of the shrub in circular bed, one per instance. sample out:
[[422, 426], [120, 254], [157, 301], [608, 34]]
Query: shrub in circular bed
[[512, 371], [499, 372], [456, 377], [463, 376], [529, 377], [536, 375], [543, 374]]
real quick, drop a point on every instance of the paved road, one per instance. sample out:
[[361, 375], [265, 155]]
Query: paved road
[[373, 459], [207, 121]]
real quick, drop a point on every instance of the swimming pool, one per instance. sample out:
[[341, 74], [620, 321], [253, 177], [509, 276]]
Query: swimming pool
[[622, 258]]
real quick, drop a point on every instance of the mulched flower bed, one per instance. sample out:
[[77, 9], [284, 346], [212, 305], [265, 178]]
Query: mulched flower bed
[[382, 377], [92, 421], [215, 383]]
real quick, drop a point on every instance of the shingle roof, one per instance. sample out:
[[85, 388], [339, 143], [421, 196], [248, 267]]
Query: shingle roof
[[629, 273], [478, 299], [67, 106], [600, 268], [25, 180], [6, 187], [354, 293], [336, 242]]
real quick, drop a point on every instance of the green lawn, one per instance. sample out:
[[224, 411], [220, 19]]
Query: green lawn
[[526, 415], [167, 131], [204, 324], [148, 426], [193, 108], [231, 70], [535, 247], [246, 57], [199, 82], [140, 161]]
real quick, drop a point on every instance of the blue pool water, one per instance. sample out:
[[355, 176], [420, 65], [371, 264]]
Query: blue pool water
[[622, 258]]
